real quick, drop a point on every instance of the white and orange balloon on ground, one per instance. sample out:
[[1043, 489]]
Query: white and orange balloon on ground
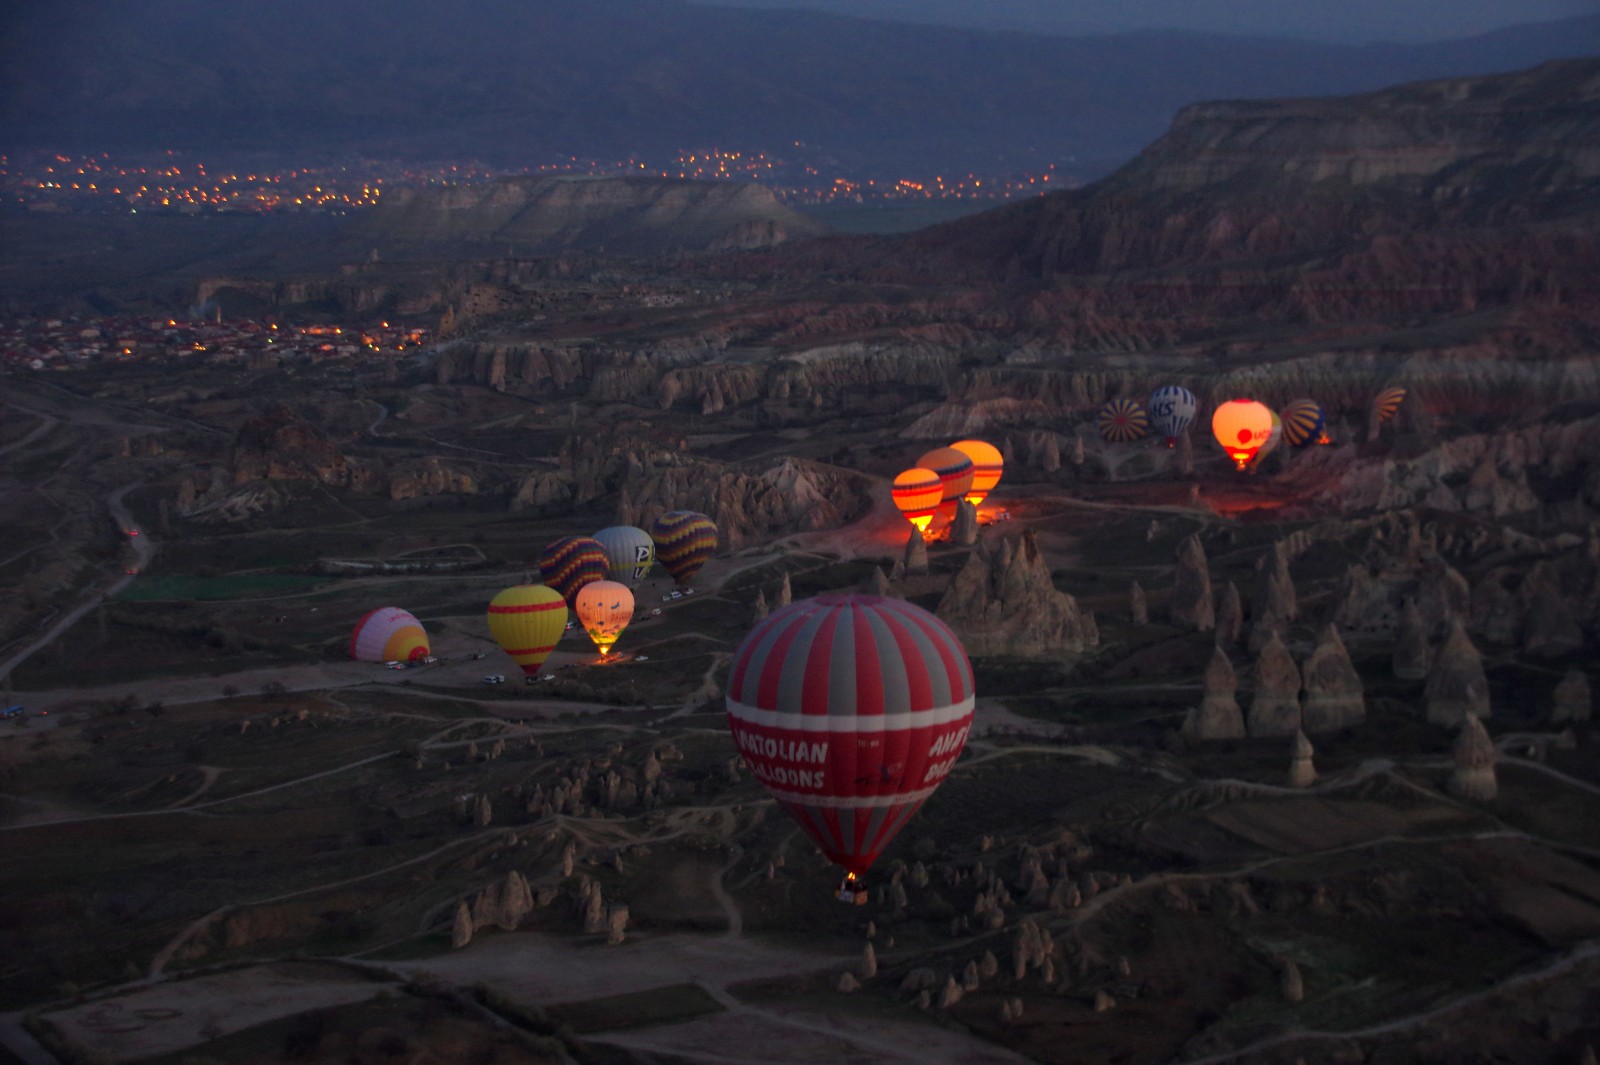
[[526, 620], [917, 492], [1242, 427], [604, 609], [851, 709], [389, 634], [987, 466]]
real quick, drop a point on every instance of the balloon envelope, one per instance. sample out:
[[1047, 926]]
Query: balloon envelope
[[1303, 420], [571, 562], [917, 493], [1171, 410], [1123, 421], [851, 709], [604, 609], [954, 469], [685, 540], [526, 620], [388, 634], [1388, 403], [629, 553], [1241, 427], [987, 466]]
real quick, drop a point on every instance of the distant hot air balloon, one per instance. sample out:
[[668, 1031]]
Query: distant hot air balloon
[[1388, 403], [1172, 408], [917, 493], [1123, 421], [388, 634], [526, 620], [571, 562], [987, 466], [629, 553], [1242, 426], [685, 540], [851, 709], [604, 609], [955, 472], [1303, 420], [1270, 444]]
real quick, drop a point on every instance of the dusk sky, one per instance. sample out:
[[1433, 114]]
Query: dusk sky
[[1323, 20]]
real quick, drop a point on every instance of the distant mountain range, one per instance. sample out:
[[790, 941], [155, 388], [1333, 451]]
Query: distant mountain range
[[514, 82]]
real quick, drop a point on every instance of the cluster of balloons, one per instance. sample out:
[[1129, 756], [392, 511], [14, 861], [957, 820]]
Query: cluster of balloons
[[1169, 411], [967, 469]]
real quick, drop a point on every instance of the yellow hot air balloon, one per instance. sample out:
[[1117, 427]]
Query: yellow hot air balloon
[[604, 609], [917, 492], [1242, 426], [526, 620], [987, 466]]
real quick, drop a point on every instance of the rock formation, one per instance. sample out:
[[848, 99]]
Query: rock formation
[[964, 529], [1442, 595], [1410, 655], [915, 559], [1457, 687], [1473, 777], [878, 583], [1275, 707], [1004, 602], [1217, 717], [1191, 605], [761, 610], [1334, 698], [616, 924], [461, 927], [847, 984], [1275, 595], [869, 962], [1290, 981], [1138, 610], [1549, 629], [1302, 774], [1573, 700], [1230, 615], [785, 594]]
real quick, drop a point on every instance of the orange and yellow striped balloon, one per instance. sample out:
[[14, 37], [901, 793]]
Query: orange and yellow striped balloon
[[526, 620], [1388, 403], [987, 466], [917, 492]]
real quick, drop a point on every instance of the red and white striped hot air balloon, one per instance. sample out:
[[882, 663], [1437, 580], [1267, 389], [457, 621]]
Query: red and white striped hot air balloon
[[851, 709]]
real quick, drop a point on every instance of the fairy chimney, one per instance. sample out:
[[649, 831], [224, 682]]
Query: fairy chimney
[[1191, 606], [1275, 707], [1302, 774], [1410, 654], [964, 529], [1217, 717], [1457, 687], [1473, 778], [1334, 698], [1230, 615], [1573, 701], [915, 559], [1138, 610]]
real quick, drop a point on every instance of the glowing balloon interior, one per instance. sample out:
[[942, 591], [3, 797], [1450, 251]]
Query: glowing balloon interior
[[571, 562], [388, 634], [1242, 426], [851, 709], [917, 493], [526, 621], [954, 469], [604, 609], [987, 466]]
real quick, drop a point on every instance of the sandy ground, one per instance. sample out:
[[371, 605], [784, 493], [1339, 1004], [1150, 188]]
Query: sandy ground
[[167, 1017]]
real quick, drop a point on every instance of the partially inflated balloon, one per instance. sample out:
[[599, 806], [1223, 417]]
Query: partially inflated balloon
[[604, 609], [1172, 408], [917, 493], [388, 634], [571, 562], [954, 469], [1388, 403], [851, 709], [526, 620], [987, 466], [1242, 426], [685, 541], [629, 553], [1123, 421]]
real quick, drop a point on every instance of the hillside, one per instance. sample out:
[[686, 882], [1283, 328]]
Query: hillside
[[546, 215], [520, 82]]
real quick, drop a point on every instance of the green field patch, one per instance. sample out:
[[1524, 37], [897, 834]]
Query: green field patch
[[250, 585], [637, 1009]]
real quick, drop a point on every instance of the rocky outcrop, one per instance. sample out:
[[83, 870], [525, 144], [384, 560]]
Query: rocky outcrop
[[964, 529], [1003, 602], [1302, 773], [1190, 606], [915, 558], [1457, 687], [1572, 700], [1275, 706], [1230, 616], [1275, 595], [1410, 655], [1218, 716], [461, 927], [1549, 630], [1473, 777], [1334, 694], [1138, 609]]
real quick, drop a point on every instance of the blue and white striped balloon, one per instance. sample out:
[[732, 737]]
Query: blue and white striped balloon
[[1171, 408]]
